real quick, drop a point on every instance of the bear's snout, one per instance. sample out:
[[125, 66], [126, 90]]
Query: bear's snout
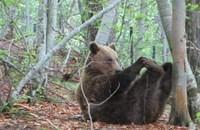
[[118, 70]]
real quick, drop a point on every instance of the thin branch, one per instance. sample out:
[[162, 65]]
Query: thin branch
[[67, 59], [193, 46], [88, 104], [123, 20], [12, 65]]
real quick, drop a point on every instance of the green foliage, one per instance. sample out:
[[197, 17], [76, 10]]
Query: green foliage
[[71, 85], [40, 92], [3, 53], [6, 107], [198, 117], [139, 17], [192, 7]]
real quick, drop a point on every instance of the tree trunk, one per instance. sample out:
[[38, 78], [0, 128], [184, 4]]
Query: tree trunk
[[192, 92], [9, 26], [165, 11], [164, 47], [38, 79], [106, 33], [179, 113], [94, 6], [141, 28], [163, 40], [27, 16]]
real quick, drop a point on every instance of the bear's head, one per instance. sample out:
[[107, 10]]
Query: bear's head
[[103, 59]]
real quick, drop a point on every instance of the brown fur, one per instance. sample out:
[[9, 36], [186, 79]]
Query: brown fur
[[139, 100]]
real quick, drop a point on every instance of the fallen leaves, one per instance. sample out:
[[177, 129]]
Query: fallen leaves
[[63, 116], [48, 115]]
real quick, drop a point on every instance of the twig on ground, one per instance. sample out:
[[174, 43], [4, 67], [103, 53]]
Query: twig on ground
[[56, 127], [24, 106]]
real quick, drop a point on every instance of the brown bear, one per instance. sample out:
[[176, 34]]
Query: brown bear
[[122, 96]]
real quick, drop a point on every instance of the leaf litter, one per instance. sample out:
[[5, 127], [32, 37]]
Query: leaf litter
[[51, 115]]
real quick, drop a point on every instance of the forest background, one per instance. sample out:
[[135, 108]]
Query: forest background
[[44, 45]]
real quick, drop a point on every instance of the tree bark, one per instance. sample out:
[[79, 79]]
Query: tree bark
[[141, 29], [9, 29], [106, 33], [165, 11], [94, 6], [179, 113], [27, 16], [192, 92], [42, 62]]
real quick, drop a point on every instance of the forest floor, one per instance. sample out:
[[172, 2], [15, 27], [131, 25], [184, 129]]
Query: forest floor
[[54, 115]]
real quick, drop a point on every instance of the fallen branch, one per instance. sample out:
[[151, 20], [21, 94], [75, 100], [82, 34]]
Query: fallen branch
[[32, 114], [24, 106]]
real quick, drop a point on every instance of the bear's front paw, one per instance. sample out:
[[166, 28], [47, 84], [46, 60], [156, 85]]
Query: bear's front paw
[[141, 60], [151, 64]]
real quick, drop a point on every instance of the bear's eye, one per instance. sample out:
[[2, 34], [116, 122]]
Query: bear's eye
[[109, 59]]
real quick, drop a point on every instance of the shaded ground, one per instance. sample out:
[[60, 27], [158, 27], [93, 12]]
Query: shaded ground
[[47, 115], [51, 115]]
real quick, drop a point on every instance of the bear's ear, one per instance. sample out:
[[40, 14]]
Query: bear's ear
[[112, 46], [94, 47]]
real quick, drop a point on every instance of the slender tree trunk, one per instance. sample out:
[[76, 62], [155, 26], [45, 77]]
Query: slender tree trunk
[[94, 6], [106, 33], [9, 26], [163, 40], [27, 16], [165, 11], [38, 79], [141, 28], [192, 92], [179, 113], [51, 23], [165, 47]]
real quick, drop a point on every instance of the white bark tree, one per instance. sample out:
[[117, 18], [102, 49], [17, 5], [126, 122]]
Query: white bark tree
[[106, 32], [179, 112]]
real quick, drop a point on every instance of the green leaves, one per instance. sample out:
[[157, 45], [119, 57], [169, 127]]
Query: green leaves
[[198, 117], [9, 3], [192, 7], [3, 53], [139, 17]]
